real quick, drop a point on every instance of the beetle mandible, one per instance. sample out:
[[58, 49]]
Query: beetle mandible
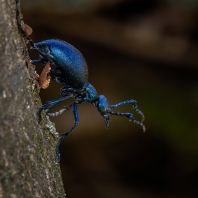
[[69, 68]]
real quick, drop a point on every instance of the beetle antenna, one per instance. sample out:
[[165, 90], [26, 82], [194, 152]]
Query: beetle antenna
[[130, 116], [134, 104], [138, 111]]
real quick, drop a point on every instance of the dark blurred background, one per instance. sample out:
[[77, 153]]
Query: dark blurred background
[[135, 49]]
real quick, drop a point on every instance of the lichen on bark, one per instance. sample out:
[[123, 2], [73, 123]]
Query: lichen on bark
[[28, 165]]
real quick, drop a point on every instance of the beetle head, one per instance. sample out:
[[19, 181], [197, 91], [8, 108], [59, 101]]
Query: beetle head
[[104, 109]]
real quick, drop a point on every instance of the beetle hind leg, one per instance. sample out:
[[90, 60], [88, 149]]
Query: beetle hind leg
[[76, 121], [61, 111], [36, 61], [50, 105]]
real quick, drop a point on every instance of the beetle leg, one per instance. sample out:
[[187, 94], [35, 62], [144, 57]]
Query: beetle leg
[[50, 105], [133, 102], [36, 61], [65, 90], [61, 111], [130, 116], [76, 121]]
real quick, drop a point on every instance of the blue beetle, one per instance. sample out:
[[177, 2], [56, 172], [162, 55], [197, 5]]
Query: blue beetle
[[69, 68]]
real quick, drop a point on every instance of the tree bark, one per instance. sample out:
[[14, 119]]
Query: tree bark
[[28, 165]]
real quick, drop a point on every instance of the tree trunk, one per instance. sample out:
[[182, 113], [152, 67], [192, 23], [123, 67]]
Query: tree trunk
[[28, 165]]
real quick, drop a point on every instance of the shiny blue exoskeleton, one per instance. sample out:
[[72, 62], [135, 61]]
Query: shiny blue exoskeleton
[[69, 68]]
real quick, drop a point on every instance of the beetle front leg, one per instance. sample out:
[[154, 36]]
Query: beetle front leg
[[76, 121]]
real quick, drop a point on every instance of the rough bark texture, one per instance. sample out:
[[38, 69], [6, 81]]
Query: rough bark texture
[[28, 165]]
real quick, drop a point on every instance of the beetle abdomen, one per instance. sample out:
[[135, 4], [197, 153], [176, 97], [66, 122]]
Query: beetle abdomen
[[70, 65]]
